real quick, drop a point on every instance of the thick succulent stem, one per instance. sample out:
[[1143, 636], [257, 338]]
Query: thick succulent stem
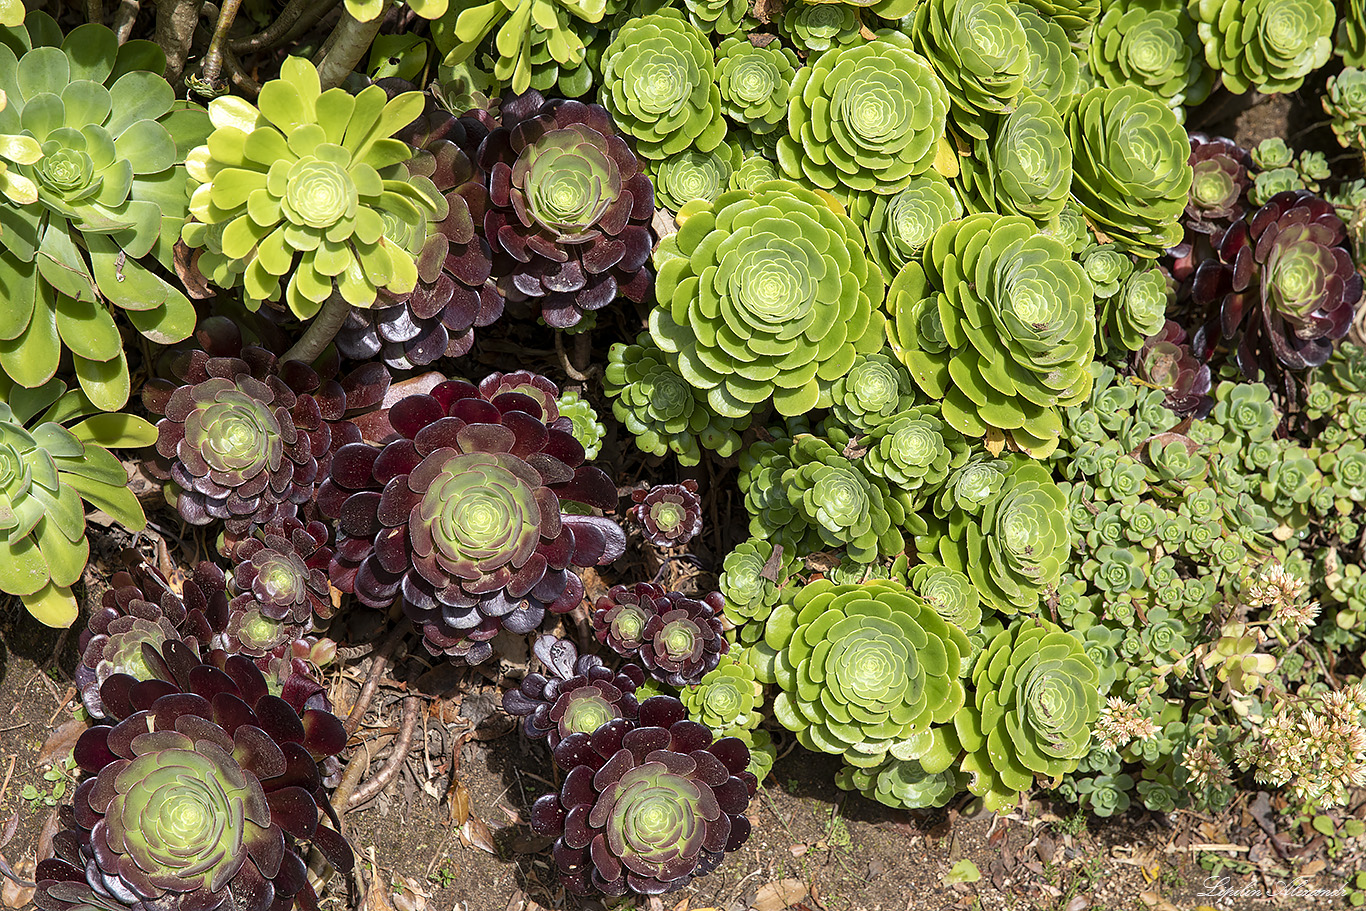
[[176, 21], [412, 710], [321, 330], [125, 17], [213, 60], [304, 13], [367, 691], [349, 41], [94, 10]]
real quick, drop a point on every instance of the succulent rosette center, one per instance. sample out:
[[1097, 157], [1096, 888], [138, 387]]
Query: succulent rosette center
[[655, 817], [568, 179], [668, 516], [1298, 273], [233, 432], [678, 640], [318, 193], [15, 476], [1212, 186], [67, 172], [479, 513], [181, 814], [585, 711]]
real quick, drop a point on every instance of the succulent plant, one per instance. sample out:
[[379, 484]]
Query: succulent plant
[[950, 593], [210, 806], [54, 459], [586, 427], [864, 117], [1129, 167], [459, 514], [1283, 287], [581, 694], [875, 391], [677, 638], [659, 82], [278, 586], [980, 51], [1077, 17], [1036, 700], [1345, 103], [569, 209], [1166, 362], [243, 437], [1152, 43], [1015, 550], [529, 32], [140, 606], [692, 175], [646, 807], [670, 514], [752, 577], [902, 784], [662, 410], [766, 294], [864, 669], [340, 215], [454, 293], [914, 453], [1219, 182], [846, 507], [898, 227], [817, 27], [999, 325], [755, 83], [727, 697], [95, 148], [1349, 40], [1054, 71], [1026, 168], [1270, 45], [1135, 312]]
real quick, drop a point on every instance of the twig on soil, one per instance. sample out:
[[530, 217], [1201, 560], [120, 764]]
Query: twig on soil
[[412, 707], [367, 690], [4, 789]]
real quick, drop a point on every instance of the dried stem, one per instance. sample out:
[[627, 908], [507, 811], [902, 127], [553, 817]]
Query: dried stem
[[344, 48], [412, 708], [94, 11], [303, 13], [244, 83], [321, 330], [367, 691], [176, 21]]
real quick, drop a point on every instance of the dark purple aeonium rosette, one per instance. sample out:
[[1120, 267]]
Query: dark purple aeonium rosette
[[646, 806], [569, 209], [245, 437], [200, 796], [1167, 362], [1283, 288], [455, 291], [678, 638], [580, 695], [140, 607], [669, 514], [459, 513]]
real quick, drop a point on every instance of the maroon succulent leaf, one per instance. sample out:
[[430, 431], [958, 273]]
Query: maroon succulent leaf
[[580, 696], [1167, 362]]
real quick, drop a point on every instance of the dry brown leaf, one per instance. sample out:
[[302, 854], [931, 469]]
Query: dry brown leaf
[[460, 803], [60, 742], [51, 826], [474, 834], [776, 896], [1079, 903], [11, 893], [1314, 868]]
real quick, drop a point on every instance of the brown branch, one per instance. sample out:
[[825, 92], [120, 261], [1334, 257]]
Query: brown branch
[[345, 46], [367, 691], [302, 13], [412, 708], [176, 21], [322, 329], [125, 17]]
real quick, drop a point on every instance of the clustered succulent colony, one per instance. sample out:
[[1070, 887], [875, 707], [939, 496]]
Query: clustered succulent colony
[[1044, 413]]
